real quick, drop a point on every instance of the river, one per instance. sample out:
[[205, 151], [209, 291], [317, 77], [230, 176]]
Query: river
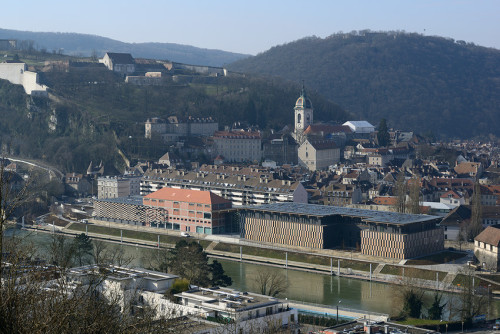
[[302, 286]]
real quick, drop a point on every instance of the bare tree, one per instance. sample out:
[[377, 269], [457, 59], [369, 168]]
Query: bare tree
[[270, 282], [12, 196], [471, 302], [476, 224], [400, 190], [60, 251], [413, 205]]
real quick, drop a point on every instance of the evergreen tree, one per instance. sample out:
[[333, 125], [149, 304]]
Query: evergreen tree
[[83, 248], [383, 137], [188, 260], [436, 309], [219, 277]]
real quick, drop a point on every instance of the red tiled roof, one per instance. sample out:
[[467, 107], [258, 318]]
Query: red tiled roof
[[327, 128], [385, 200], [187, 195], [452, 193]]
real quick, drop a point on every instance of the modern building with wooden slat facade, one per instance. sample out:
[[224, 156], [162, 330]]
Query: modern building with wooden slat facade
[[375, 233]]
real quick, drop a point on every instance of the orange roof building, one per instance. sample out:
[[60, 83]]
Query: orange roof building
[[188, 210]]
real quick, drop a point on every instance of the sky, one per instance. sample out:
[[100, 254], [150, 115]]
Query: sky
[[253, 26]]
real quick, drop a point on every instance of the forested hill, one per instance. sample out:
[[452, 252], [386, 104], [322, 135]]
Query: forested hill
[[92, 113], [84, 45], [427, 84]]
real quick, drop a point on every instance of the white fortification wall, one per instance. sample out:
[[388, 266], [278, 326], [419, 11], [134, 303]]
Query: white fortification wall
[[17, 74]]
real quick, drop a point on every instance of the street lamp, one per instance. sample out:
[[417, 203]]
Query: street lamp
[[338, 311]]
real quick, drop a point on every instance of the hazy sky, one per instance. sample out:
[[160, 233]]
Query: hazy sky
[[253, 26]]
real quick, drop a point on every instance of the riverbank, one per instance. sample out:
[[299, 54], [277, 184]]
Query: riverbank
[[328, 262]]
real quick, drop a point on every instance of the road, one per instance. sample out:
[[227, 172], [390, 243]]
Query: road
[[42, 165]]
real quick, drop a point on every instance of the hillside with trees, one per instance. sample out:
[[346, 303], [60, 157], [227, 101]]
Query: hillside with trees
[[92, 113], [85, 45], [421, 83]]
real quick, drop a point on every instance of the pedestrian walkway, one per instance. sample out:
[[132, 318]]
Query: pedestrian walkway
[[449, 278], [378, 269], [211, 246], [332, 311]]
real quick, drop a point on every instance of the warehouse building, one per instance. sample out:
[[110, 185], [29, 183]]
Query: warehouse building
[[376, 233]]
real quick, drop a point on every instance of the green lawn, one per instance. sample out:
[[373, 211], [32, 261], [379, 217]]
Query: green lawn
[[413, 272], [442, 257], [141, 235], [420, 322], [294, 256], [205, 243]]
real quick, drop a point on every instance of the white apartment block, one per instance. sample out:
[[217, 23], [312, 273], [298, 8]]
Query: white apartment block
[[238, 146], [240, 189], [117, 186]]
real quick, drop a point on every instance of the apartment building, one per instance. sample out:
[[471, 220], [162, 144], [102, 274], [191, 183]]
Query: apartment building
[[188, 210], [238, 145], [117, 186], [241, 189]]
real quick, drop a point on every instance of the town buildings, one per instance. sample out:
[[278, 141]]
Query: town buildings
[[242, 187]]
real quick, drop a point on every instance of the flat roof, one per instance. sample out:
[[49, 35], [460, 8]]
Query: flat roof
[[327, 210], [226, 298], [120, 273], [134, 200]]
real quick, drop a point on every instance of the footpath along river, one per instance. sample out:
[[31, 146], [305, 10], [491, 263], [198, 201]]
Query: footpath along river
[[302, 286]]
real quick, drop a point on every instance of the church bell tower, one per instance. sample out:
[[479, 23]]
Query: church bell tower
[[303, 113]]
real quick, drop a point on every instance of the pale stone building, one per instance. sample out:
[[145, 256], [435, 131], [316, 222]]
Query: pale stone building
[[174, 127], [117, 186], [318, 154], [122, 63], [486, 248], [238, 146]]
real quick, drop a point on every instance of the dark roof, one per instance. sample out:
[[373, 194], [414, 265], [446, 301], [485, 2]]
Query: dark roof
[[327, 210], [327, 128], [121, 58], [490, 236], [323, 144]]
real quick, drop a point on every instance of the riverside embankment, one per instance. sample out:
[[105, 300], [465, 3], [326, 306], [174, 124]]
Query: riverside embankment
[[329, 262]]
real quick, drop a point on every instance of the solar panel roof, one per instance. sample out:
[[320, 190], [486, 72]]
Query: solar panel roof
[[326, 210], [135, 200]]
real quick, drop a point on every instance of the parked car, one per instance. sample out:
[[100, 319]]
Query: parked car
[[185, 234]]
